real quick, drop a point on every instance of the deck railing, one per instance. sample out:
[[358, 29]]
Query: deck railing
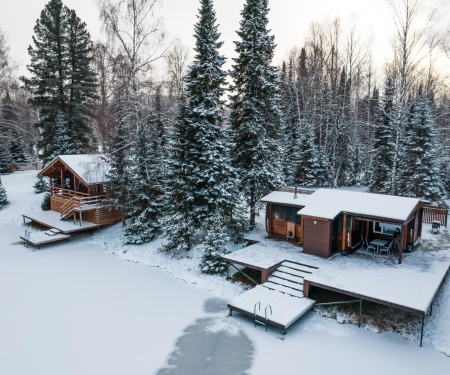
[[81, 204], [66, 193]]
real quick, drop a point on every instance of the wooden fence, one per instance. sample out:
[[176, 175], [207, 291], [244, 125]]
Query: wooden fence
[[434, 213]]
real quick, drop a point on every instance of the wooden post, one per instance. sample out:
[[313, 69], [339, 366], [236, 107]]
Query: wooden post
[[306, 288], [344, 234], [367, 228], [270, 220], [62, 182]]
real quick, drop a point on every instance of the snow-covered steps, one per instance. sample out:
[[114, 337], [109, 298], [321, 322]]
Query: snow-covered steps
[[283, 291]]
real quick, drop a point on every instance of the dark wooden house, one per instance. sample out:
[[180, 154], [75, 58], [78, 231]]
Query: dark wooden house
[[79, 187], [332, 221]]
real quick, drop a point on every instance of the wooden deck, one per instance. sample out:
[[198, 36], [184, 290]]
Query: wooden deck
[[281, 297], [52, 219], [42, 238], [411, 288]]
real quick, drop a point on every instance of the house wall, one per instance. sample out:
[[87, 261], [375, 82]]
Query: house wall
[[317, 237]]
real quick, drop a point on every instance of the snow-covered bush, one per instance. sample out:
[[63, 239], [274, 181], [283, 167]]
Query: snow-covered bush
[[3, 197], [45, 205], [41, 186]]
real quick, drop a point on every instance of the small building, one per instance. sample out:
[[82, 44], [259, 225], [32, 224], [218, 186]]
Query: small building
[[79, 187], [330, 221], [282, 219]]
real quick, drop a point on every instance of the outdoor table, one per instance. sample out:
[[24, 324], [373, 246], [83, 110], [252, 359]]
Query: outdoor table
[[378, 242]]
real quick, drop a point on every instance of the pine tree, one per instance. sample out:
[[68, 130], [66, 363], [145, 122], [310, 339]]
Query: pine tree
[[206, 162], [291, 123], [62, 79], [215, 246], [255, 112], [41, 186], [383, 148], [178, 199], [308, 161], [46, 204], [419, 166], [3, 197], [64, 143], [118, 161], [145, 188]]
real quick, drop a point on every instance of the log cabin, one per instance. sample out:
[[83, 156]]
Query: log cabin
[[79, 187], [330, 221]]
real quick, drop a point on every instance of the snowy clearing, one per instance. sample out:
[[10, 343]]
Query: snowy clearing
[[72, 308]]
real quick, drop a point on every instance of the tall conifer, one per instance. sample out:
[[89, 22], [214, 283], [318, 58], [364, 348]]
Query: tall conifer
[[383, 148], [255, 112], [419, 166], [62, 79], [206, 157]]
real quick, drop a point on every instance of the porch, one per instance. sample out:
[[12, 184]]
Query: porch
[[411, 287]]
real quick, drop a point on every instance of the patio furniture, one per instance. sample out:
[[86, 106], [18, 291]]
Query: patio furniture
[[435, 227], [386, 249], [377, 243], [367, 245]]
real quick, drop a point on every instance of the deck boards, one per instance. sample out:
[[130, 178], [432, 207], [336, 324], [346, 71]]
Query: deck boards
[[41, 238]]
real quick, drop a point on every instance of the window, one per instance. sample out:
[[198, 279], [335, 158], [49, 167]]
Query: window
[[277, 215], [384, 228]]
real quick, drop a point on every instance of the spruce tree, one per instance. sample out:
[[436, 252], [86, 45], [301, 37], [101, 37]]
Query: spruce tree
[[145, 187], [419, 173], [215, 246], [208, 173], [64, 143], [290, 123], [41, 186], [118, 160], [62, 79], [178, 198], [383, 148], [308, 161], [255, 112], [46, 203], [3, 197]]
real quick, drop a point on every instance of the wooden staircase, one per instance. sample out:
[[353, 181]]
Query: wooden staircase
[[288, 278], [67, 210]]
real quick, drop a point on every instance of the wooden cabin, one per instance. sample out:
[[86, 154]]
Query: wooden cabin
[[79, 188], [332, 221]]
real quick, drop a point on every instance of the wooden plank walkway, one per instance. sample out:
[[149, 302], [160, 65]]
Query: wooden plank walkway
[[42, 238], [52, 219]]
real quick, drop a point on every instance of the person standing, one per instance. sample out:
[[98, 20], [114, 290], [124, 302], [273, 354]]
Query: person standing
[[397, 241]]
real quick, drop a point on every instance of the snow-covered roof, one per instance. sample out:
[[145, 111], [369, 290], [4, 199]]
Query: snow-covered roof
[[283, 197], [328, 203], [91, 168]]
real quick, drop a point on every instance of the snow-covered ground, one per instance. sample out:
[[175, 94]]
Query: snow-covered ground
[[73, 308]]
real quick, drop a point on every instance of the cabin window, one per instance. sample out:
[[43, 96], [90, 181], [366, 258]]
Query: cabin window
[[277, 215], [285, 213], [384, 228]]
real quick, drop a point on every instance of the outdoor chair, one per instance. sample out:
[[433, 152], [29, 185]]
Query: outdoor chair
[[386, 249], [435, 227], [367, 245]]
